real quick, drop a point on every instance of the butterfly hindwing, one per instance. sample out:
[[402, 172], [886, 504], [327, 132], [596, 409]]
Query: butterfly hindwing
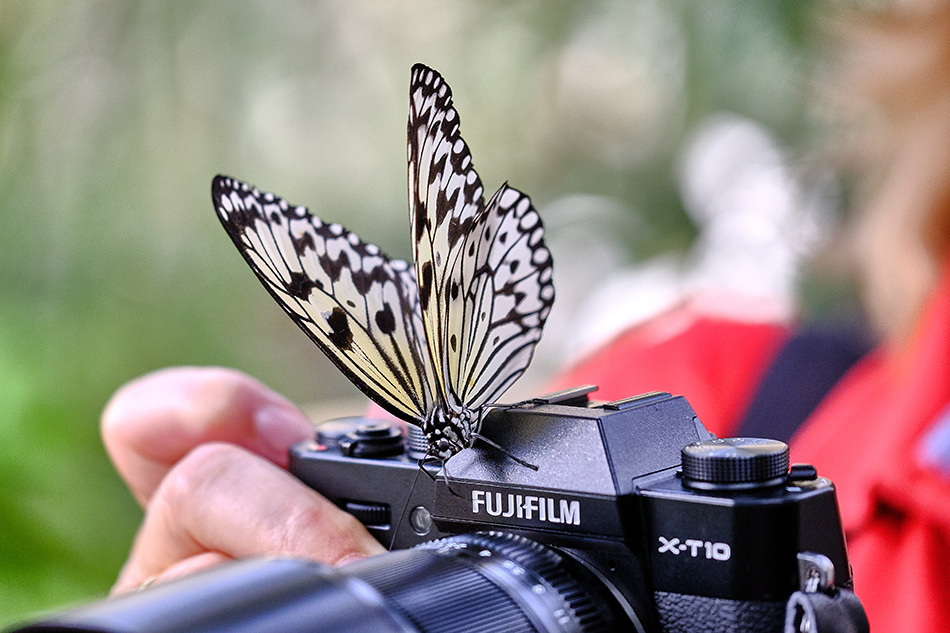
[[507, 276], [359, 306]]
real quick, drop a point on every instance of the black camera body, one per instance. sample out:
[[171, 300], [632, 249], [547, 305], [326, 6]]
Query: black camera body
[[566, 517], [708, 541]]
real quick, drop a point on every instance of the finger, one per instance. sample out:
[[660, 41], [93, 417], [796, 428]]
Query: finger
[[178, 570], [223, 499], [152, 422]]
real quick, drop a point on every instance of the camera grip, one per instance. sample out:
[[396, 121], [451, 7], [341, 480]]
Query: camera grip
[[682, 613]]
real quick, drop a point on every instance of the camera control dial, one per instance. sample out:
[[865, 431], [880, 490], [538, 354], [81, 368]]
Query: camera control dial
[[372, 440], [735, 463]]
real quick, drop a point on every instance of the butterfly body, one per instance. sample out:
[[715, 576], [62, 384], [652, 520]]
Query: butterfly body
[[449, 429], [434, 342]]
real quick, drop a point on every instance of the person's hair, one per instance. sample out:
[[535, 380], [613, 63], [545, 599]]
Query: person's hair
[[892, 69]]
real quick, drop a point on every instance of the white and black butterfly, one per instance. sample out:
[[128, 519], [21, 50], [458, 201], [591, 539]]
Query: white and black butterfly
[[432, 345]]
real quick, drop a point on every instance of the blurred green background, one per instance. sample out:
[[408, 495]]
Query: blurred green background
[[115, 115]]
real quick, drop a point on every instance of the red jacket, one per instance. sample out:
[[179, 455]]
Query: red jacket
[[882, 434]]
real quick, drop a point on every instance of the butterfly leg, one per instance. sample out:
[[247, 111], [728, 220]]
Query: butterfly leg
[[429, 459], [433, 459], [448, 481]]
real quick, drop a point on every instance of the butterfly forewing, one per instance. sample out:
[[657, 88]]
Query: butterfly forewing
[[484, 272], [445, 200], [359, 306]]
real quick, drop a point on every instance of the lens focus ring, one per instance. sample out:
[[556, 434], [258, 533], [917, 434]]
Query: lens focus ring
[[485, 582]]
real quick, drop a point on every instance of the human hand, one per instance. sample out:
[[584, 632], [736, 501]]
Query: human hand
[[204, 451]]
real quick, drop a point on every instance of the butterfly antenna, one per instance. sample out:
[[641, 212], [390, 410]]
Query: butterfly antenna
[[406, 509], [515, 405], [507, 453]]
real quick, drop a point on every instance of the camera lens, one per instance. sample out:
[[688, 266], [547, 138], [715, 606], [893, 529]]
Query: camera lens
[[471, 583], [487, 582]]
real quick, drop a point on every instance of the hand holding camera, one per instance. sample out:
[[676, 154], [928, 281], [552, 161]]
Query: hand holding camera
[[203, 450]]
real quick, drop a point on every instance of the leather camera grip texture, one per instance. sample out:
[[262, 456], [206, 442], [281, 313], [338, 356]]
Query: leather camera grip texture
[[680, 613]]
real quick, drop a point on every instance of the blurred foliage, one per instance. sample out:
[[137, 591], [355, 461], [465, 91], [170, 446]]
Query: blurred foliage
[[115, 115]]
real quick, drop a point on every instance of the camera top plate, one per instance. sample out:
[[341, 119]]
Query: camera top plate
[[583, 447]]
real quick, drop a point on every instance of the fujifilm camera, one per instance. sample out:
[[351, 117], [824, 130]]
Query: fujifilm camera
[[573, 516]]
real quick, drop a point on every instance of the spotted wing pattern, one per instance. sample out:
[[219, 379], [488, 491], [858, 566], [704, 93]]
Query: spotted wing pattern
[[359, 306], [436, 350], [485, 276], [507, 274]]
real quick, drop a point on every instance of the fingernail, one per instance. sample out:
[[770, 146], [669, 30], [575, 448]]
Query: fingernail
[[280, 428]]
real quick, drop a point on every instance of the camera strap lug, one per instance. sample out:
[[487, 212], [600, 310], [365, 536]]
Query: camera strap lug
[[819, 606], [816, 573]]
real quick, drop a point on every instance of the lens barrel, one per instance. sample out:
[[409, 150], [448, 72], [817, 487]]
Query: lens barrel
[[487, 582], [477, 583]]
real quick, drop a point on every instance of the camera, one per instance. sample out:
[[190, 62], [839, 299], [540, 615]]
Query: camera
[[566, 515]]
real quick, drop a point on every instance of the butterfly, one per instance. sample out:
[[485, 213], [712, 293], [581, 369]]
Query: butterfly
[[433, 343]]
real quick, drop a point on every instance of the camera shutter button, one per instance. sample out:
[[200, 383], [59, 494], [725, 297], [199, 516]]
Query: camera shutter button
[[735, 463]]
